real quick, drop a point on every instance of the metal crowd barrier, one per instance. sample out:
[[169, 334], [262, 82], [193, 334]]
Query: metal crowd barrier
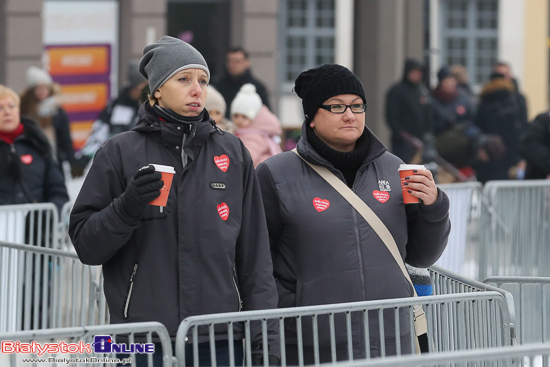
[[532, 295], [47, 288], [516, 229], [455, 322], [64, 239], [34, 224], [103, 340], [532, 355], [460, 256]]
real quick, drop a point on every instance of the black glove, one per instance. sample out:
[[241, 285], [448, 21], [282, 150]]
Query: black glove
[[258, 360], [144, 187]]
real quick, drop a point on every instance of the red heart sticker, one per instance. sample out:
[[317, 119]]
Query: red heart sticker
[[26, 158], [222, 162], [461, 110], [223, 211], [381, 196], [321, 204]]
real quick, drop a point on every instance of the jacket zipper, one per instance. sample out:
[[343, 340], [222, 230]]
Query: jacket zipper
[[237, 288], [130, 291], [183, 155]]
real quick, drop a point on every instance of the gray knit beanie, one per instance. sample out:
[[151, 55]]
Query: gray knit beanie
[[166, 57]]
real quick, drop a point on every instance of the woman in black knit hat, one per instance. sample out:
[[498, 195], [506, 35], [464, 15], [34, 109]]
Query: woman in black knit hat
[[323, 250]]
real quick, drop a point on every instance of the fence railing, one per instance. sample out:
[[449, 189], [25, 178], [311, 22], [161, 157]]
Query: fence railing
[[455, 322], [102, 340], [47, 288], [532, 304], [532, 355], [33, 224]]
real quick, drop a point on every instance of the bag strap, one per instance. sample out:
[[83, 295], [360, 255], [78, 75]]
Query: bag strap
[[421, 326]]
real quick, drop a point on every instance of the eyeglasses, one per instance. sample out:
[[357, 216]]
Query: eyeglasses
[[341, 108]]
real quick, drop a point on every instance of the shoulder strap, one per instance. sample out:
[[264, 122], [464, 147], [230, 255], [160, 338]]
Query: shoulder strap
[[376, 224]]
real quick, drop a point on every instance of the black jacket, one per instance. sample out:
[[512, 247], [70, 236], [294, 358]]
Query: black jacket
[[229, 86], [407, 111], [187, 254], [60, 122], [534, 146], [324, 252], [500, 112], [36, 178]]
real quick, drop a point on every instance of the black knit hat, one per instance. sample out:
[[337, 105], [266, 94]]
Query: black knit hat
[[315, 86]]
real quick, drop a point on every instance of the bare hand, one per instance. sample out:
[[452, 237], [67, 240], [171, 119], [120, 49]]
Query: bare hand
[[422, 185]]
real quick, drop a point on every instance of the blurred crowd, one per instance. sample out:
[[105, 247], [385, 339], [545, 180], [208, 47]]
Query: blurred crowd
[[469, 136]]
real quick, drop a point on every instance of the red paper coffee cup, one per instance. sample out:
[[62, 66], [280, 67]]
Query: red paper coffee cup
[[167, 176], [406, 170]]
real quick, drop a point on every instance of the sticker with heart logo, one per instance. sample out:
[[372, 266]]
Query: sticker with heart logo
[[222, 162], [223, 211], [26, 158], [320, 204], [381, 196]]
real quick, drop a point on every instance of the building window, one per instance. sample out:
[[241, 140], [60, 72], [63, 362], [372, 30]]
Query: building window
[[469, 36], [307, 34]]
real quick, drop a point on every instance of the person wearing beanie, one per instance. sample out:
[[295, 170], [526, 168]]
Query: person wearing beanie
[[407, 112], [216, 106], [324, 251], [205, 249], [257, 127], [120, 115], [40, 102]]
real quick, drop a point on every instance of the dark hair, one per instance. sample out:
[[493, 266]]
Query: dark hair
[[501, 63], [235, 49]]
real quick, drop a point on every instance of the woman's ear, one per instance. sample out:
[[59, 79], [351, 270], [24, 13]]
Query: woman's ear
[[312, 124], [157, 94]]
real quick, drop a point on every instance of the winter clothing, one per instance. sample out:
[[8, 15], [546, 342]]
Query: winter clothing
[[28, 174], [206, 252], [443, 73], [259, 137], [534, 146], [315, 86], [36, 76], [247, 102], [214, 101], [166, 57], [500, 113], [329, 254], [120, 115], [421, 280], [407, 112], [229, 86]]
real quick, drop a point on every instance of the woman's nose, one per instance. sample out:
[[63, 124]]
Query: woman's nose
[[197, 90]]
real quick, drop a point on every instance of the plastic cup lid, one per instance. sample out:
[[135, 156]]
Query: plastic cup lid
[[165, 169], [406, 167]]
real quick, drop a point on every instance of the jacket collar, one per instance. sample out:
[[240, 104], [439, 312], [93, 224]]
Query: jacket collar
[[307, 151]]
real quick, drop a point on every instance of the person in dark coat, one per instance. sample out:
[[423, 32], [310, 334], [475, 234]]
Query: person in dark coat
[[323, 251], [534, 147], [207, 251], [500, 113], [457, 138], [40, 103], [407, 112], [28, 172], [238, 74]]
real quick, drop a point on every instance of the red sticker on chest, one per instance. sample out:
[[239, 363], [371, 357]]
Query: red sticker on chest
[[320, 204], [223, 211], [222, 162], [381, 196], [461, 110], [26, 158]]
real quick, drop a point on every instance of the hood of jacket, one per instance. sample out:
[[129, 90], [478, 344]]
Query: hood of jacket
[[497, 86]]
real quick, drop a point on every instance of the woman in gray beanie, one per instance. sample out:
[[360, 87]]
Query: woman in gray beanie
[[206, 251], [323, 250]]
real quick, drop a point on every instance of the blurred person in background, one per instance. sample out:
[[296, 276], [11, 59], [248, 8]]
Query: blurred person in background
[[500, 113], [463, 82], [40, 102], [120, 114], [29, 172], [407, 114], [238, 74], [257, 127], [207, 250], [453, 121], [323, 251], [216, 107], [534, 147], [503, 68]]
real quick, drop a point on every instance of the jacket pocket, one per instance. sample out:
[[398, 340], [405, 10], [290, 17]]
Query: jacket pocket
[[129, 294]]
